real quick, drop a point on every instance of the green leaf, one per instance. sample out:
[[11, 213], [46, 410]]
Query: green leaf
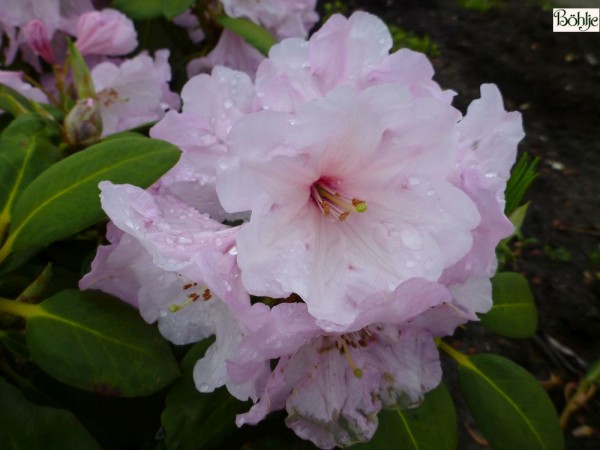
[[193, 420], [430, 426], [65, 198], [253, 34], [26, 150], [508, 404], [514, 313], [81, 73], [172, 8], [97, 343], [25, 425], [521, 177], [140, 9], [14, 102]]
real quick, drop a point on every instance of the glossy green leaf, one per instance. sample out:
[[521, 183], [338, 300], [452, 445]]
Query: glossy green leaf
[[27, 426], [65, 198], [253, 34], [198, 421], [521, 177], [514, 313], [508, 404], [26, 150], [172, 8], [140, 9], [430, 426], [95, 342]]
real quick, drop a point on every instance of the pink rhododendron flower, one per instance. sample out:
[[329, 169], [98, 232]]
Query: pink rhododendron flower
[[372, 208], [134, 92], [54, 14], [178, 267], [15, 81], [39, 40], [284, 18], [211, 105], [363, 198], [231, 51], [106, 32]]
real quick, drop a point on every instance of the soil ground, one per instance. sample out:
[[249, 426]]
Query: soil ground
[[554, 80]]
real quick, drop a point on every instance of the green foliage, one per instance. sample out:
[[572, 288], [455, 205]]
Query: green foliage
[[152, 9], [64, 199], [26, 150], [560, 254], [334, 7], [407, 39], [430, 426], [140, 9], [508, 404], [25, 425], [253, 34], [522, 175], [198, 421], [514, 313], [98, 343], [478, 5]]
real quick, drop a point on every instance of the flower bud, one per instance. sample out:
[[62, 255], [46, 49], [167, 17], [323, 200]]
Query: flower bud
[[83, 124], [36, 34], [106, 32]]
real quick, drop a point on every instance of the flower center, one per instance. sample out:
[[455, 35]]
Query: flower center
[[194, 294], [333, 203]]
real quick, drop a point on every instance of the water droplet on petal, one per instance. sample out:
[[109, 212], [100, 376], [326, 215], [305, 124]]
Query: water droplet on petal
[[491, 174], [412, 239], [411, 264], [414, 181], [228, 104]]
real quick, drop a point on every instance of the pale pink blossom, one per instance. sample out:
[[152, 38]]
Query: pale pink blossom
[[105, 32], [134, 92], [189, 21], [333, 385], [231, 51], [179, 268], [14, 79], [39, 40], [349, 198], [56, 15], [284, 18], [211, 105], [353, 52]]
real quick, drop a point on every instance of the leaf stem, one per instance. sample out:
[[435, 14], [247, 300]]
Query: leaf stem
[[24, 310], [457, 356]]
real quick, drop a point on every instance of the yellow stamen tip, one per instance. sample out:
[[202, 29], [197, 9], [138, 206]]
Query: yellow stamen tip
[[358, 373], [174, 308]]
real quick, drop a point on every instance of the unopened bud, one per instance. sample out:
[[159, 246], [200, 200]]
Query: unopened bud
[[106, 32], [83, 124], [36, 34]]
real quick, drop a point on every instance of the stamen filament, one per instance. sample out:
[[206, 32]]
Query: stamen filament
[[332, 202], [357, 372]]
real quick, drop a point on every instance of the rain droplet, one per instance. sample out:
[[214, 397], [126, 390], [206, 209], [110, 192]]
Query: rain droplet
[[491, 174], [414, 181], [412, 239], [228, 104], [411, 264]]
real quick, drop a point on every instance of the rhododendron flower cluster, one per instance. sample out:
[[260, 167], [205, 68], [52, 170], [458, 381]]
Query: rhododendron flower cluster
[[368, 210], [129, 92]]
